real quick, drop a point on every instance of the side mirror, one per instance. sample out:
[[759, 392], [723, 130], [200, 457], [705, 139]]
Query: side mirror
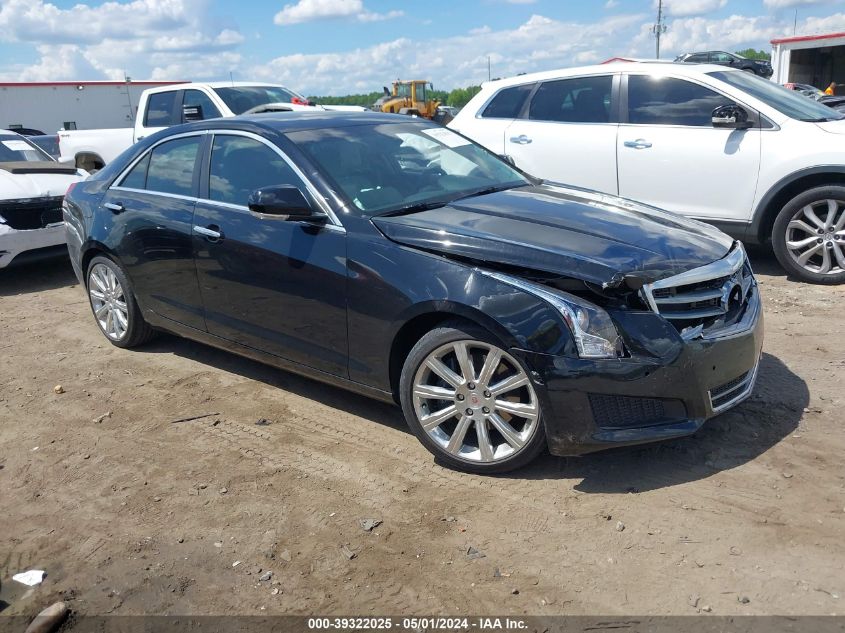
[[508, 159], [192, 113], [731, 117], [285, 201]]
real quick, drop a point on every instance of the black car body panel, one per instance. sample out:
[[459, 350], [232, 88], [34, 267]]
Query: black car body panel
[[563, 231], [343, 302], [760, 67]]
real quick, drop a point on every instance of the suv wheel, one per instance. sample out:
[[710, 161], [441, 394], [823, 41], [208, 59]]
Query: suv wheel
[[471, 403], [113, 304], [809, 235]]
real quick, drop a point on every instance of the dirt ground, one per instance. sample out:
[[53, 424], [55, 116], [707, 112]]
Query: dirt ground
[[131, 513]]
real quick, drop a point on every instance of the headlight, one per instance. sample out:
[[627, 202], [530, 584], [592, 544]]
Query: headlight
[[594, 333]]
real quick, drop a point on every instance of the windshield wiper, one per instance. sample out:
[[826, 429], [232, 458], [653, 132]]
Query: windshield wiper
[[414, 208], [486, 190], [436, 204]]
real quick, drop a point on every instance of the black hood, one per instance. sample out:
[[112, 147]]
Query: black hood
[[561, 230]]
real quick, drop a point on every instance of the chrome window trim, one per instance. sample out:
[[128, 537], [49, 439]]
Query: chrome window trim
[[315, 193], [163, 194], [335, 222], [239, 207]]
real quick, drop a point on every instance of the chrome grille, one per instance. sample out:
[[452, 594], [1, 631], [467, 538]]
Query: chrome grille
[[708, 297]]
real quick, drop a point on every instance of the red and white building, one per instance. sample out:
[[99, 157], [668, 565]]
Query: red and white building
[[51, 106], [810, 59]]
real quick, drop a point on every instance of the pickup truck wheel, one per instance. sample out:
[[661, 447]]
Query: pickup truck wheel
[[809, 235], [470, 402], [113, 304]]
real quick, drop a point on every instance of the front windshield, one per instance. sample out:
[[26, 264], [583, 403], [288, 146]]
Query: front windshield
[[239, 99], [388, 167], [785, 101], [14, 148]]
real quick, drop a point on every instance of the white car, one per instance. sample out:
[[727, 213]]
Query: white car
[[759, 161], [32, 187]]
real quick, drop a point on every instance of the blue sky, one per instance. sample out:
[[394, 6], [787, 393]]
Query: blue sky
[[340, 46]]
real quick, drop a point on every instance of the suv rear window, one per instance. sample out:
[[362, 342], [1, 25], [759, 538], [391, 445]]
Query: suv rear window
[[507, 103]]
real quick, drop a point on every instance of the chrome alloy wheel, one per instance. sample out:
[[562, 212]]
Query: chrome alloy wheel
[[108, 301], [475, 401], [815, 237]]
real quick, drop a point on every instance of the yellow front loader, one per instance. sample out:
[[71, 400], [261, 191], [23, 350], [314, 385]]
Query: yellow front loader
[[408, 97]]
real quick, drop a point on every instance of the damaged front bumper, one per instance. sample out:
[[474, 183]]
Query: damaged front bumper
[[30, 245], [666, 389], [31, 230]]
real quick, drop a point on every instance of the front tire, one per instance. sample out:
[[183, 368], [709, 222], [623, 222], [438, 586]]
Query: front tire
[[808, 236], [113, 304], [470, 402]]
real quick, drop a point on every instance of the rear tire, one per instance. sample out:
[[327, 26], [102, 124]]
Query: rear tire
[[495, 424], [808, 236], [113, 304]]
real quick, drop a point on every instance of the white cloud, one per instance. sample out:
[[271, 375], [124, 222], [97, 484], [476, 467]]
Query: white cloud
[[611, 4], [731, 33], [311, 10], [788, 4], [142, 37], [539, 43], [680, 8]]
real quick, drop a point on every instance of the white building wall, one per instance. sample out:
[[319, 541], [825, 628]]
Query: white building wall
[[787, 69], [47, 107]]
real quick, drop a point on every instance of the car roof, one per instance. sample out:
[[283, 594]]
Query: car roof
[[655, 67], [295, 121], [218, 84]]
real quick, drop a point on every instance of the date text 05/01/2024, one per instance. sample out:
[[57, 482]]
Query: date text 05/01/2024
[[417, 623]]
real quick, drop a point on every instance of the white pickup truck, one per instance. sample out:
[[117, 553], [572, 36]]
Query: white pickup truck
[[171, 105]]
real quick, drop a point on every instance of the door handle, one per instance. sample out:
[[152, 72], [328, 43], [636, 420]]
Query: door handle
[[640, 143], [212, 232], [115, 207], [520, 140]]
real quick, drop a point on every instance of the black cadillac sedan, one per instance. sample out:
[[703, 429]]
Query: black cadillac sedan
[[398, 259]]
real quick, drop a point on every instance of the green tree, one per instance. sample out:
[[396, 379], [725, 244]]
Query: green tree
[[750, 53], [459, 97]]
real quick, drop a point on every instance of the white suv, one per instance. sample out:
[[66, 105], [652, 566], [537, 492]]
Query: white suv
[[761, 162]]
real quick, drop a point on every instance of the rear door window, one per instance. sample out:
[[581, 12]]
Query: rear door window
[[576, 100], [171, 167], [507, 103], [160, 107], [137, 177], [668, 101], [199, 98]]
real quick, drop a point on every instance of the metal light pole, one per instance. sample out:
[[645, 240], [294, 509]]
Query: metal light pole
[[659, 28]]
